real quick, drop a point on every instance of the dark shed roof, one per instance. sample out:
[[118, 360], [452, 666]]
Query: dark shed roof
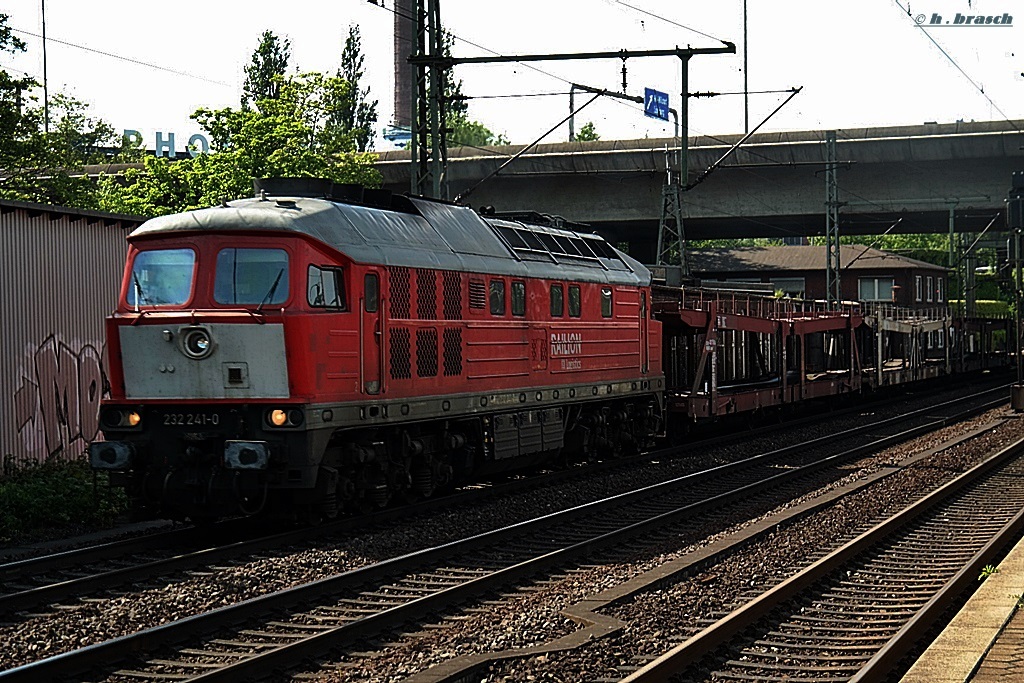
[[800, 258], [32, 208], [437, 235]]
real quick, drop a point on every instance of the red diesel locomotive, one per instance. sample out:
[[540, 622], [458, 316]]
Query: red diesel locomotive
[[305, 351]]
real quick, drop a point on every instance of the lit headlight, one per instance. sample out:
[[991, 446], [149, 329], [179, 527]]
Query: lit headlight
[[114, 417], [281, 417]]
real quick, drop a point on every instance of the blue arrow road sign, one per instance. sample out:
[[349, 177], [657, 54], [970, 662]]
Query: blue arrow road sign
[[656, 104]]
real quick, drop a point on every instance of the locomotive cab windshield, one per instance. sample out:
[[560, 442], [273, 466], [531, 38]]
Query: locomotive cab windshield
[[161, 277], [241, 276], [251, 276]]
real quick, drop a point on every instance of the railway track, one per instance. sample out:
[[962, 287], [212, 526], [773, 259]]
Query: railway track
[[35, 583], [279, 629], [856, 613]]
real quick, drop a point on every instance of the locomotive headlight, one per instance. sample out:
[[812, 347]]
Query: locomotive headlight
[[196, 342], [279, 417], [114, 417]]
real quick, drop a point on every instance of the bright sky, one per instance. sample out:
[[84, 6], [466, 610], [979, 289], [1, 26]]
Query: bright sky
[[861, 63]]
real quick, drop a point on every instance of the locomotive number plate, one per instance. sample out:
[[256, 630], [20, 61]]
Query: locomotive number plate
[[192, 419]]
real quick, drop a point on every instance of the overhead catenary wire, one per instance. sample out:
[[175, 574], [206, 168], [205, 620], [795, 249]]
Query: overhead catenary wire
[[666, 20], [122, 58], [567, 81], [462, 195], [872, 245], [952, 61]]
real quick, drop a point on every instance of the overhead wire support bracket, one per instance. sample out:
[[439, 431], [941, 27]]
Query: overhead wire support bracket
[[682, 53], [710, 169]]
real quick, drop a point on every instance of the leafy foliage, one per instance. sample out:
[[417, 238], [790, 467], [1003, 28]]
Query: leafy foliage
[[734, 243], [290, 135], [41, 166], [356, 113], [465, 131], [49, 167], [265, 72], [13, 125], [588, 133], [55, 496]]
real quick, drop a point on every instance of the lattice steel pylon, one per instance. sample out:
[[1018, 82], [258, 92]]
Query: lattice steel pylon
[[429, 144], [671, 236], [833, 287]]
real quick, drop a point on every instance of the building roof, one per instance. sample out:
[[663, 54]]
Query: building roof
[[800, 258], [7, 205]]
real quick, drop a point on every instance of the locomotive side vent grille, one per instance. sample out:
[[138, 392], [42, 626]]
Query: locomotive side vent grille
[[426, 294], [477, 293], [452, 295], [401, 356], [426, 352], [453, 352], [400, 293]]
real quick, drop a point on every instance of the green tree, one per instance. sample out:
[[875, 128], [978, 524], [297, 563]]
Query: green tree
[[734, 243], [290, 135], [15, 128], [51, 171], [356, 113], [40, 166], [465, 131], [266, 70], [587, 133]]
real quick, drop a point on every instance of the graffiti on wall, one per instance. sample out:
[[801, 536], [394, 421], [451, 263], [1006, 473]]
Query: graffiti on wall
[[56, 407]]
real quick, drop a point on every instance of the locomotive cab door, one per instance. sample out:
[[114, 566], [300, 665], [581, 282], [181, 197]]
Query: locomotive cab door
[[371, 335], [645, 349]]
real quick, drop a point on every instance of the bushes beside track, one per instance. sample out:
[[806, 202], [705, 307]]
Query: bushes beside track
[[52, 499]]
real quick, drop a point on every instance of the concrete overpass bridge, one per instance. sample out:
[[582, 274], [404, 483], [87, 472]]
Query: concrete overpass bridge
[[774, 186]]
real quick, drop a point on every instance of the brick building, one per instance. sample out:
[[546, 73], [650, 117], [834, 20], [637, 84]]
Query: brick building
[[867, 274]]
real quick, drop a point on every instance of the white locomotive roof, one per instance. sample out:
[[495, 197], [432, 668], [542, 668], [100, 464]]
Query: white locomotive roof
[[439, 235]]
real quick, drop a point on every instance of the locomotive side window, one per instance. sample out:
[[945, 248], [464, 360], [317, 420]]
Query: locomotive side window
[[251, 276], [371, 292], [532, 241], [557, 301], [575, 301], [497, 297], [606, 302], [518, 298], [161, 277], [326, 288], [567, 246], [581, 246], [551, 243], [512, 237]]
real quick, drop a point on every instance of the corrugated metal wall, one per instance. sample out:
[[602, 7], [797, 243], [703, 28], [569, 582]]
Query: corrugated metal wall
[[59, 274]]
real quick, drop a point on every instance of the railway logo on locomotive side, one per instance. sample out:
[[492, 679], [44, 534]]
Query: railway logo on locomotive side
[[566, 344]]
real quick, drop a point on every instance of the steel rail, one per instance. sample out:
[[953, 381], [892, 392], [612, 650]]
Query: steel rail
[[83, 585], [717, 635], [98, 654], [880, 667]]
